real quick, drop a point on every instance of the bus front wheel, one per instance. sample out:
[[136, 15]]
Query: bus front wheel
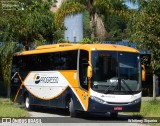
[[114, 114], [72, 109]]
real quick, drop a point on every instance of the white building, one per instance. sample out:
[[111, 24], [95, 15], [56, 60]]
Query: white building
[[73, 24]]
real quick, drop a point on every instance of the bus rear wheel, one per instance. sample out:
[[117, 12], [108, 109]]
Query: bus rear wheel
[[28, 106], [72, 109]]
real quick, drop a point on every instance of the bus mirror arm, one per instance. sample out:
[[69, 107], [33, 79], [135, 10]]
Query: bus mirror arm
[[89, 72]]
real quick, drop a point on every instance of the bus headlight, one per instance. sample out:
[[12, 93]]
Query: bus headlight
[[98, 100], [135, 101]]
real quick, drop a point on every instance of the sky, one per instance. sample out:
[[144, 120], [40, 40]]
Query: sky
[[132, 6]]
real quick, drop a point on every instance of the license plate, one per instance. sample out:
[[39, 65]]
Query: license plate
[[119, 108]]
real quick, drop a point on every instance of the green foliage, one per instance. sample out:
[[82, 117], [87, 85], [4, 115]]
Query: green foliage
[[63, 41], [39, 41], [35, 22], [88, 41], [116, 28], [146, 31], [6, 55], [86, 25]]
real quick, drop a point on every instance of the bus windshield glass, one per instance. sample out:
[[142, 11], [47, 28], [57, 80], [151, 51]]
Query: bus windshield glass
[[116, 72]]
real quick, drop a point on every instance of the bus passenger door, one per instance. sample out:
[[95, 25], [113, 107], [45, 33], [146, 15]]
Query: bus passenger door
[[83, 80]]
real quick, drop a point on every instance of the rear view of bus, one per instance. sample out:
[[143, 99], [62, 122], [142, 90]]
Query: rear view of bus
[[116, 82]]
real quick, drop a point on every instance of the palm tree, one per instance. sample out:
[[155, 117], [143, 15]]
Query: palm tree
[[96, 8]]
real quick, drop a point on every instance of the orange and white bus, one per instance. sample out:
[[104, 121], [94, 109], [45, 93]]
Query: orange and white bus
[[79, 77]]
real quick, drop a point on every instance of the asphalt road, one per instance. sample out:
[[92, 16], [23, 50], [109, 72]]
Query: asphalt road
[[58, 117]]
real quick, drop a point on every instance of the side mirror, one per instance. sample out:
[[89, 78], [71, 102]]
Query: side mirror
[[89, 72], [143, 73]]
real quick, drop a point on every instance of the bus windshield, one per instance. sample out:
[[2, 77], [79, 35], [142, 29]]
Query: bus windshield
[[116, 72]]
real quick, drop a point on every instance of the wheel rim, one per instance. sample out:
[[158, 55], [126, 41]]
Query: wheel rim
[[27, 102]]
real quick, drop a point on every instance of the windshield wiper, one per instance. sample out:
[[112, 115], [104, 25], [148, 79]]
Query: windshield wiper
[[116, 83], [130, 90]]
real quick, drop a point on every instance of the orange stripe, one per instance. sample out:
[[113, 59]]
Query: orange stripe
[[82, 94], [22, 83], [19, 87]]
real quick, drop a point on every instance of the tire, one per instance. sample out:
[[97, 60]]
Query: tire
[[114, 114], [72, 109], [28, 106]]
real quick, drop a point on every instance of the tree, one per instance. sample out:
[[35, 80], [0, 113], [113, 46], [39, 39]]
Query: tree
[[88, 41], [146, 32], [6, 55], [116, 28], [86, 25], [96, 9], [33, 23]]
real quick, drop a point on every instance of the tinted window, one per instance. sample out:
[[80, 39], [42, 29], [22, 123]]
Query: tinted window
[[115, 71], [20, 65], [44, 62]]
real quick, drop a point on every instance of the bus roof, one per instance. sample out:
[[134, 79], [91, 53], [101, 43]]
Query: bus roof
[[67, 47]]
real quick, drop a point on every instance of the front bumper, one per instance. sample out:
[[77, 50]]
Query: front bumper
[[95, 106]]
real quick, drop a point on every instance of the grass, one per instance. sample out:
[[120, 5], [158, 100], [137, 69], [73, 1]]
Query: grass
[[149, 109], [8, 109]]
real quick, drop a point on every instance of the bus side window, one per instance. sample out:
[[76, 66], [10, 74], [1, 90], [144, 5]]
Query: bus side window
[[83, 65], [65, 60], [71, 60], [20, 65]]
